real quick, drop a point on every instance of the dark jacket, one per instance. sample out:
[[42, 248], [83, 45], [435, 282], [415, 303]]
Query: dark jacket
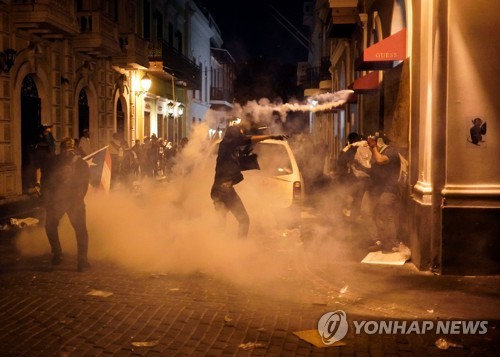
[[68, 180], [228, 167]]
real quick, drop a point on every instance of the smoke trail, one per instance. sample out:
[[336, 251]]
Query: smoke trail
[[171, 226]]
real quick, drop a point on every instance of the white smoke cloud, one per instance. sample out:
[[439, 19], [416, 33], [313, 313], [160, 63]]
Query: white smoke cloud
[[171, 226]]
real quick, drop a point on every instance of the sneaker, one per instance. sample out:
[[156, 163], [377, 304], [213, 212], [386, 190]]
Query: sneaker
[[83, 266], [56, 259]]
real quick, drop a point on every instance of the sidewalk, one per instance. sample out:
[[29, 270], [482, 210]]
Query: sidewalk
[[45, 311]]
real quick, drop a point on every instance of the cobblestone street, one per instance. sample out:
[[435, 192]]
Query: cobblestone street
[[57, 311]]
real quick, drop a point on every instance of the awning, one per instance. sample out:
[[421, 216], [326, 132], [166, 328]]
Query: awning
[[367, 84], [382, 54]]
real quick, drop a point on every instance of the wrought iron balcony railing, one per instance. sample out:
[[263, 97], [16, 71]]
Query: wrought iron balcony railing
[[174, 62]]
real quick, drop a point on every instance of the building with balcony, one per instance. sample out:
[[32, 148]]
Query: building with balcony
[[82, 64], [421, 72]]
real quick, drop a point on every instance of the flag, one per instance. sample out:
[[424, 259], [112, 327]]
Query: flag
[[100, 169]]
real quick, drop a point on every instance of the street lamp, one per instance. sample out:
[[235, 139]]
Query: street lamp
[[145, 82], [170, 108], [180, 109]]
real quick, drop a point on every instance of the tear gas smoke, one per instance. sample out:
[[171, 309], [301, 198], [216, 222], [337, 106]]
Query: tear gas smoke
[[171, 227], [262, 110]]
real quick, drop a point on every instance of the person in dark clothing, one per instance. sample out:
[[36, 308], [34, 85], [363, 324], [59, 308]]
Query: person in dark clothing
[[228, 173], [65, 188], [45, 152], [384, 190]]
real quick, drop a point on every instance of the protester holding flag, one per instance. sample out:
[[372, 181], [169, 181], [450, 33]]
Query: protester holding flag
[[100, 166]]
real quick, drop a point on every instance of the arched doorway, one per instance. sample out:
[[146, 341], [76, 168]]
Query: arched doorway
[[120, 119], [83, 112], [30, 122]]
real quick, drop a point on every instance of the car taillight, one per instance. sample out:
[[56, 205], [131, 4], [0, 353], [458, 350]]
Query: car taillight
[[297, 191]]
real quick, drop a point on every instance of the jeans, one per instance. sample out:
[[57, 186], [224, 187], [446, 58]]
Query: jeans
[[227, 200], [386, 216], [77, 216]]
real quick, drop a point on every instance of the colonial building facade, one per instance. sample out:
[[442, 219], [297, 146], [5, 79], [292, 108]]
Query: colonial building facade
[[84, 65], [422, 72]]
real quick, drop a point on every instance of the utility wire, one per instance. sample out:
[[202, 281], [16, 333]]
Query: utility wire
[[283, 21]]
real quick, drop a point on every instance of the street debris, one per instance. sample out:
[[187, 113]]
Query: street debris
[[227, 319], [99, 293], [398, 256], [251, 345], [442, 344], [23, 222], [394, 258], [344, 289], [261, 329], [314, 338], [431, 311], [157, 275], [145, 343], [174, 289], [320, 303]]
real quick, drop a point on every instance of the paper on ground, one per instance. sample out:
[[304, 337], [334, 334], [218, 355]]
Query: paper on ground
[[99, 293], [396, 258], [313, 337]]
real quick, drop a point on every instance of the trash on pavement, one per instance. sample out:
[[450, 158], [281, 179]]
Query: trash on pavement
[[23, 222], [99, 293], [398, 256], [320, 303], [145, 343], [442, 344], [344, 289], [314, 338], [227, 319], [395, 258], [157, 275], [174, 289], [250, 345]]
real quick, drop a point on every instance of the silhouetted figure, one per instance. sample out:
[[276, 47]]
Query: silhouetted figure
[[228, 173], [65, 188], [45, 152], [384, 191]]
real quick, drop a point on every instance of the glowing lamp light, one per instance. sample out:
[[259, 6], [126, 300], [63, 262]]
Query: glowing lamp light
[[180, 109], [170, 107], [145, 82]]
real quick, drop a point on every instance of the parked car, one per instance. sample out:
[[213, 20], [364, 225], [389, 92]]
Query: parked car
[[277, 189]]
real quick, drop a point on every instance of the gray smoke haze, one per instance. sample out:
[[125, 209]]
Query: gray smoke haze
[[171, 227]]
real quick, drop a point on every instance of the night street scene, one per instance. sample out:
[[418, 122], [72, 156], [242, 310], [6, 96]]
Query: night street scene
[[259, 178]]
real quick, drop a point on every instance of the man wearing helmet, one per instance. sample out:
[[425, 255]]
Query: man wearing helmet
[[66, 187]]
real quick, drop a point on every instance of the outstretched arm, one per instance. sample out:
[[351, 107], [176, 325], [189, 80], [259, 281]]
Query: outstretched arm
[[257, 138]]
